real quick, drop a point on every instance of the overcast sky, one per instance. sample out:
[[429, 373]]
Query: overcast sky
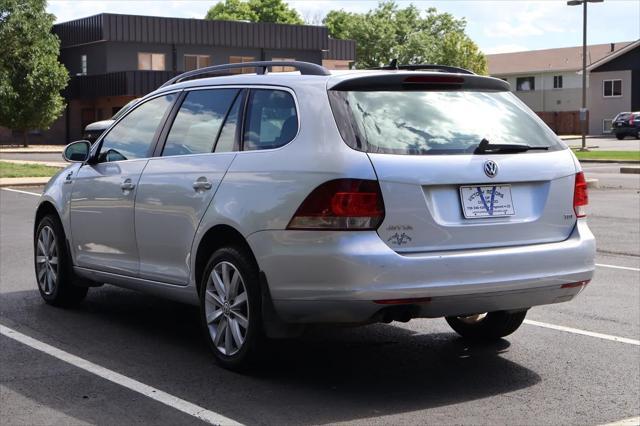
[[497, 26]]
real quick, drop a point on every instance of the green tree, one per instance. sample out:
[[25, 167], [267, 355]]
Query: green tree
[[31, 77], [276, 11], [232, 10], [409, 35]]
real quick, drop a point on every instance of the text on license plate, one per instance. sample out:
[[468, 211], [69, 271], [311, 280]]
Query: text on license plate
[[486, 201]]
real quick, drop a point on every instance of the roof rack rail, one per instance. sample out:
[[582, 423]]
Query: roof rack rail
[[305, 68], [423, 67]]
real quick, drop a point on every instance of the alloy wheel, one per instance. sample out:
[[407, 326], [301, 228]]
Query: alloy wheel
[[47, 260], [227, 308]]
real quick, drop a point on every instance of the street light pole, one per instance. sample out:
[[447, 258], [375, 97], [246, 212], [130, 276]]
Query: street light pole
[[583, 110]]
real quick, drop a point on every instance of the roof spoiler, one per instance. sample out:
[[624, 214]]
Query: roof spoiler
[[413, 80], [393, 65]]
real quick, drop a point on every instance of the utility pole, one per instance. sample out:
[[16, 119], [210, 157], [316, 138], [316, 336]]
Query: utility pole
[[583, 110]]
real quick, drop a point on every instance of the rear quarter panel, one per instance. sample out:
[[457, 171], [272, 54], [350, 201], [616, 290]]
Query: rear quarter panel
[[263, 189]]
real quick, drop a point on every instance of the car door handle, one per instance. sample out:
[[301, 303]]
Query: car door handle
[[127, 185], [202, 184]]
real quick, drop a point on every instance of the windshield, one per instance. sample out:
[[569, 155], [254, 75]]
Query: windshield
[[436, 122]]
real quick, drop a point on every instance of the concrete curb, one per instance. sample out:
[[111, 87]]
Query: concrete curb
[[579, 137], [593, 183], [59, 164], [630, 170], [28, 181], [29, 151], [609, 161]]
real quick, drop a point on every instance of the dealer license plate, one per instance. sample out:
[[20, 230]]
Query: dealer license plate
[[486, 201]]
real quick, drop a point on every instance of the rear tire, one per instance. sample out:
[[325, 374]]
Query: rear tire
[[489, 326], [53, 267], [619, 136], [231, 308]]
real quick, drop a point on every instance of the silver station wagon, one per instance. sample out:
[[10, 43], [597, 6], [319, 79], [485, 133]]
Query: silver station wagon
[[275, 200]]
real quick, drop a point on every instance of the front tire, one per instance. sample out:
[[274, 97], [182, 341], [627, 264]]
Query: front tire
[[53, 267], [231, 308], [487, 326]]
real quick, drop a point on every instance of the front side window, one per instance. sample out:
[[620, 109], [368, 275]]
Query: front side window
[[131, 137], [198, 122], [151, 61], [525, 84], [194, 62], [435, 122], [271, 119], [611, 88]]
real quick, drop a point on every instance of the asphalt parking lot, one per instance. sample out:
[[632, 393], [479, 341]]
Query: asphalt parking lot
[[572, 363]]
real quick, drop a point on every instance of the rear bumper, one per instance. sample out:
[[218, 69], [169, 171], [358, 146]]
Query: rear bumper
[[627, 131], [336, 276]]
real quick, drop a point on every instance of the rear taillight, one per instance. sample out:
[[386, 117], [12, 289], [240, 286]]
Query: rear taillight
[[341, 204], [580, 195], [631, 118]]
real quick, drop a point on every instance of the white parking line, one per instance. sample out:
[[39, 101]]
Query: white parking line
[[633, 421], [584, 332], [136, 386], [21, 192], [626, 268]]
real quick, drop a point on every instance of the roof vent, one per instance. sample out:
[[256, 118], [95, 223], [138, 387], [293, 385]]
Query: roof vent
[[613, 47]]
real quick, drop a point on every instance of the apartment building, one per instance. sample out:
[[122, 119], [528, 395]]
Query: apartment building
[[550, 83], [615, 87]]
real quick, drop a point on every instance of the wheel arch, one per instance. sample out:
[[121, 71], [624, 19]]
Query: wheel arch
[[45, 208], [216, 237]]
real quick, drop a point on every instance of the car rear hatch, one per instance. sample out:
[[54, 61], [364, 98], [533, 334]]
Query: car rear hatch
[[462, 163], [624, 119]]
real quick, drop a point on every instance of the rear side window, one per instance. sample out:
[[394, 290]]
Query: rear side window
[[131, 137], [271, 119], [198, 122], [435, 122]]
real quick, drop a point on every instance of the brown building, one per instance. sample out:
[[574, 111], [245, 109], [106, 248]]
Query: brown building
[[113, 59]]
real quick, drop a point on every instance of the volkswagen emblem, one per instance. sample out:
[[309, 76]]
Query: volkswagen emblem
[[490, 168]]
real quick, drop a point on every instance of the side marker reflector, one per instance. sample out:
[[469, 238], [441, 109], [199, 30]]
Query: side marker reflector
[[576, 284]]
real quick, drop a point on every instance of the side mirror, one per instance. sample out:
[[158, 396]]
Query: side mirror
[[77, 152]]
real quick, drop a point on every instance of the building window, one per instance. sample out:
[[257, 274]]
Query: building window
[[334, 64], [611, 88], [525, 84], [240, 60], [151, 61], [283, 69], [83, 64], [557, 82], [606, 125], [193, 62]]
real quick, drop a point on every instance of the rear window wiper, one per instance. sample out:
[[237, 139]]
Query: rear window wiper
[[488, 148]]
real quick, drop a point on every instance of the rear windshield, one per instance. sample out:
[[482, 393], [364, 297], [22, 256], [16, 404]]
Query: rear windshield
[[436, 122]]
